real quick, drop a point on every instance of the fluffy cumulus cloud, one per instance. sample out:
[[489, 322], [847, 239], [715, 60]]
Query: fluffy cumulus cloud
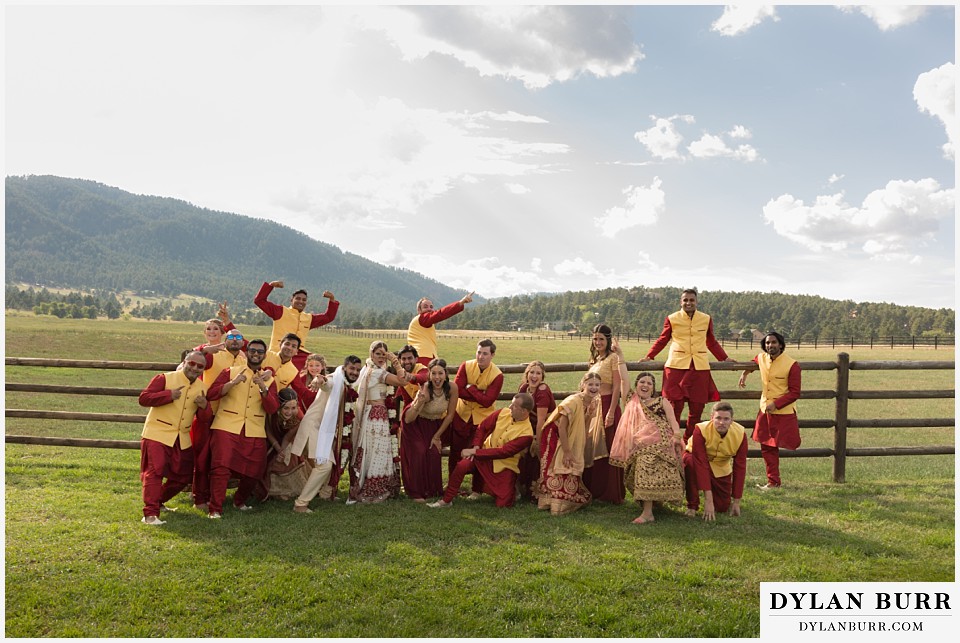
[[935, 93], [644, 205], [664, 140], [577, 267], [892, 222], [737, 19], [535, 45], [888, 16]]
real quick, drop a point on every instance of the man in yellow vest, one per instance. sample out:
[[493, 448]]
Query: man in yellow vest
[[174, 400], [281, 362], [293, 319], [238, 437], [715, 462], [421, 333], [776, 426], [478, 384], [494, 454], [226, 354], [686, 373]]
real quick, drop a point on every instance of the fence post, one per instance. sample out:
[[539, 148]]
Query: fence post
[[840, 427], [936, 339]]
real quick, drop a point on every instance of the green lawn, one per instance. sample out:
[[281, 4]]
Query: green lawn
[[79, 563]]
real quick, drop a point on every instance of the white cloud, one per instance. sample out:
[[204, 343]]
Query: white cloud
[[578, 267], [389, 253], [737, 19], [644, 206], [516, 188], [739, 131], [662, 140], [888, 16], [834, 178], [935, 93], [710, 146], [893, 221], [536, 264], [536, 45]]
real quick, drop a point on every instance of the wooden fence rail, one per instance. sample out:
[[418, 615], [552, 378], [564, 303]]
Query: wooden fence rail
[[840, 423]]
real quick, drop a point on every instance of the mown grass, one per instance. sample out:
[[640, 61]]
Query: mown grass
[[79, 562]]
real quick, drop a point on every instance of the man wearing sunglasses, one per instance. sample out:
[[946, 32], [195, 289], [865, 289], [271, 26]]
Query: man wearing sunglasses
[[293, 319], [238, 438], [233, 354]]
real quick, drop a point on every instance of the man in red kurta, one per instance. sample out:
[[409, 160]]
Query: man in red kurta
[[715, 462], [686, 373], [776, 426], [174, 399], [292, 319], [494, 454], [479, 382], [238, 437], [227, 354], [421, 333]]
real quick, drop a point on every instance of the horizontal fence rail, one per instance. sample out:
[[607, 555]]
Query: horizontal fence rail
[[840, 423]]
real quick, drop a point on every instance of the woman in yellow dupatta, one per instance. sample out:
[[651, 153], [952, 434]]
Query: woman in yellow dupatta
[[648, 447], [565, 439]]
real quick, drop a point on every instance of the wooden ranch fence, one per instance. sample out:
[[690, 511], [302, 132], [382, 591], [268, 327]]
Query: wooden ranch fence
[[840, 423]]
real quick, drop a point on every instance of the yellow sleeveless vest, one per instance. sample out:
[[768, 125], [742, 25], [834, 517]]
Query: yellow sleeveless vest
[[468, 409], [689, 341], [505, 431], [165, 423], [291, 321], [284, 373], [221, 360], [242, 406], [413, 387], [774, 373], [720, 451], [423, 339]]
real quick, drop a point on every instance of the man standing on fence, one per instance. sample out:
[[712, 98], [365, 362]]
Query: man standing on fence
[[715, 462], [238, 438], [686, 373], [165, 449], [776, 426], [421, 333], [478, 382], [494, 454], [292, 319]]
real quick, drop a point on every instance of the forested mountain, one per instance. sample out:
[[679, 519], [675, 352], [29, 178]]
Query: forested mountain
[[641, 310], [85, 235]]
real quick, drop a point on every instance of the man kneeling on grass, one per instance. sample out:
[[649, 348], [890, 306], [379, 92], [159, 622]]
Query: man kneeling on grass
[[165, 449], [493, 458], [715, 462]]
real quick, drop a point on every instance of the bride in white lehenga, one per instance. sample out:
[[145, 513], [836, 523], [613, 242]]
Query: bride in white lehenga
[[373, 464]]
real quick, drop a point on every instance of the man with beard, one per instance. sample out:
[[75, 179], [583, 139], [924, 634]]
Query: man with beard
[[776, 426], [324, 431], [238, 438], [478, 383], [292, 319], [226, 355], [175, 399]]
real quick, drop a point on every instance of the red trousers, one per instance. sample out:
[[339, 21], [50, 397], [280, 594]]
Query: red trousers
[[771, 458], [158, 461], [239, 455], [499, 485], [721, 487], [200, 436]]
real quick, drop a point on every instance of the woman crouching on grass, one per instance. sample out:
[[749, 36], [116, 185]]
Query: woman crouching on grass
[[649, 448], [286, 473], [425, 421], [565, 440]]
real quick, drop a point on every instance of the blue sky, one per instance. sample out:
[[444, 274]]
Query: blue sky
[[501, 149]]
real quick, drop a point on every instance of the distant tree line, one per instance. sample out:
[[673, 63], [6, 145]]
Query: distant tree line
[[627, 310]]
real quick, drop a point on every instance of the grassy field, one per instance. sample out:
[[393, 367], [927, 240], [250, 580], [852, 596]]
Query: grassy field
[[79, 562]]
